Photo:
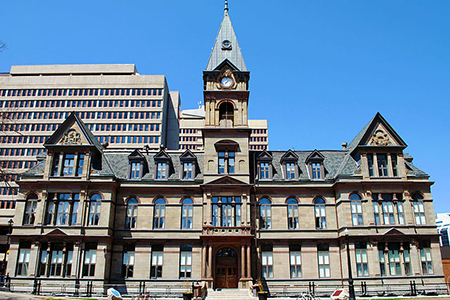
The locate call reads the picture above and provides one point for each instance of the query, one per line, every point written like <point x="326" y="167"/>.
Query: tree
<point x="2" y="46"/>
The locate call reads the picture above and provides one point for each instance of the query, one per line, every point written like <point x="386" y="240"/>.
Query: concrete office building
<point x="125" y="110"/>
<point x="225" y="215"/>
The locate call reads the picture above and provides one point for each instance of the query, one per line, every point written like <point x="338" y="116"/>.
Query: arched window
<point x="94" y="209"/>
<point x="159" y="213"/>
<point x="226" y="112"/>
<point x="265" y="216"/>
<point x="419" y="209"/>
<point x="30" y="210"/>
<point x="292" y="211"/>
<point x="186" y="213"/>
<point x="356" y="208"/>
<point x="319" y="210"/>
<point x="132" y="211"/>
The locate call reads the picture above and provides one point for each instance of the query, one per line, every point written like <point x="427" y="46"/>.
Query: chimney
<point x="344" y="146"/>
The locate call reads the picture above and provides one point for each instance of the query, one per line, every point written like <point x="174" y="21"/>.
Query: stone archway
<point x="226" y="273"/>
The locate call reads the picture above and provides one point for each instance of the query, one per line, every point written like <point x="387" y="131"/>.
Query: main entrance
<point x="226" y="268"/>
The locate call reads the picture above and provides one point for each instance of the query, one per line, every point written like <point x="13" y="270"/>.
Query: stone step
<point x="234" y="294"/>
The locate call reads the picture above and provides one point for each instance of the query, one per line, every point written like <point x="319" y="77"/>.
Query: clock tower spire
<point x="226" y="80"/>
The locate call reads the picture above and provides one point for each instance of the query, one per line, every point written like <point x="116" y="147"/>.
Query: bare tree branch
<point x="2" y="46"/>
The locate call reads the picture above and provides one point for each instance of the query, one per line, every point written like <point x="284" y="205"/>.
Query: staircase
<point x="229" y="294"/>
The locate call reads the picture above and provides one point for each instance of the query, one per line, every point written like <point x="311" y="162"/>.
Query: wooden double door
<point x="226" y="269"/>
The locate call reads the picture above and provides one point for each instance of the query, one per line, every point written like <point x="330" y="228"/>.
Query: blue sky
<point x="320" y="70"/>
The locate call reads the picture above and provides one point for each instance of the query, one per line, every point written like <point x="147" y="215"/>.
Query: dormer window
<point x="264" y="161"/>
<point x="382" y="164"/>
<point x="290" y="168"/>
<point x="316" y="170"/>
<point x="135" y="172"/>
<point x="188" y="165"/>
<point x="72" y="164"/>
<point x="162" y="165"/>
<point x="315" y="166"/>
<point x="137" y="165"/>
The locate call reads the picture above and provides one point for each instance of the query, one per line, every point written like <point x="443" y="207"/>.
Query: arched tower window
<point x="226" y="114"/>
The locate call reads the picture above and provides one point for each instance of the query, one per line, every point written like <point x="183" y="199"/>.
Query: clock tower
<point x="226" y="132"/>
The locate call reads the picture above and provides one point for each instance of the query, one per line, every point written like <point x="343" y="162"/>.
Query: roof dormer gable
<point x="315" y="156"/>
<point x="264" y="156"/>
<point x="289" y="156"/>
<point x="188" y="156"/>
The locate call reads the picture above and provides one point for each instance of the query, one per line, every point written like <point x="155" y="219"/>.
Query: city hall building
<point x="224" y="213"/>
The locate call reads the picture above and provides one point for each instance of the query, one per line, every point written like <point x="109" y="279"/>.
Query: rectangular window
<point x="382" y="165"/>
<point x="290" y="171"/>
<point x="157" y="262"/>
<point x="128" y="262"/>
<point x="186" y="215"/>
<point x="264" y="171"/>
<point x="357" y="216"/>
<point x="69" y="160"/>
<point x="400" y="214"/>
<point x="323" y="256"/>
<point x="90" y="258"/>
<point x="370" y="163"/>
<point x="388" y="213"/>
<point x="188" y="170"/>
<point x="56" y="262"/>
<point x="419" y="213"/>
<point x="94" y="212"/>
<point x="382" y="262"/>
<point x="267" y="264"/>
<point x="23" y="262"/>
<point x="30" y="212"/>
<point x="316" y="169"/>
<point x="135" y="172"/>
<point x="394" y="262"/>
<point x="186" y="261"/>
<point x="425" y="258"/>
<point x="295" y="260"/>
<point x="394" y="164"/>
<point x="361" y="259"/>
<point x="407" y="260"/>
<point x="162" y="171"/>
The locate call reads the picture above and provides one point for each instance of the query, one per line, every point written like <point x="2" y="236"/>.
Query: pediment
<point x="227" y="63"/>
<point x="378" y="133"/>
<point x="136" y="154"/>
<point x="226" y="180"/>
<point x="392" y="232"/>
<point x="73" y="132"/>
<point x="289" y="156"/>
<point x="264" y="156"/>
<point x="188" y="155"/>
<point x="57" y="232"/>
<point x="315" y="156"/>
<point x="162" y="155"/>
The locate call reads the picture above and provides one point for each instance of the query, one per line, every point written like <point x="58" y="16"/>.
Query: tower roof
<point x="226" y="46"/>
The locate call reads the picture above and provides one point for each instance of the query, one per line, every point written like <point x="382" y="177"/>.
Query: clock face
<point x="226" y="82"/>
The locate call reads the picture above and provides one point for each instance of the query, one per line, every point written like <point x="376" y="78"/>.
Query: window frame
<point x="265" y="214"/>
<point x="293" y="214"/>
<point x="30" y="210"/>
<point x="159" y="213"/>
<point x="356" y="209"/>
<point x="132" y="207"/>
<point x="320" y="213"/>
<point x="187" y="213"/>
<point x="95" y="206"/>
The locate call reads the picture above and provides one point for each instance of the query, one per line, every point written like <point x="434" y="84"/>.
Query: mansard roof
<point x="226" y="47"/>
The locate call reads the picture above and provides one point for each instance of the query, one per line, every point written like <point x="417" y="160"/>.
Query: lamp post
<point x="351" y="288"/>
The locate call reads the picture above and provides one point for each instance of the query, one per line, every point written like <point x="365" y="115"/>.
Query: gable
<point x="136" y="155"/>
<point x="264" y="156"/>
<point x="57" y="232"/>
<point x="289" y="156"/>
<point x="73" y="132"/>
<point x="188" y="155"/>
<point x="315" y="156"/>
<point x="161" y="155"/>
<point x="380" y="136"/>
<point x="393" y="232"/>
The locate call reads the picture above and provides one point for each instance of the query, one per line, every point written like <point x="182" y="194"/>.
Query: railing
<point x="134" y="289"/>
<point x="363" y="289"/>
<point x="226" y="231"/>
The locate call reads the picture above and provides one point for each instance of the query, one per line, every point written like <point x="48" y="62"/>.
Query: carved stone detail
<point x="380" y="138"/>
<point x="71" y="137"/>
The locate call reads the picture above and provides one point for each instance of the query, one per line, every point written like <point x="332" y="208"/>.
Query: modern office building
<point x="125" y="110"/>
<point x="225" y="215"/>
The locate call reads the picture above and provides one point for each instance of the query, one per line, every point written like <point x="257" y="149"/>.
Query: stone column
<point x="34" y="257"/>
<point x="389" y="165"/>
<point x="210" y="253"/>
<point x="244" y="219"/>
<point x="249" y="259"/>
<point x="243" y="261"/>
<point x="75" y="259"/>
<point x="204" y="258"/>
<point x="364" y="166"/>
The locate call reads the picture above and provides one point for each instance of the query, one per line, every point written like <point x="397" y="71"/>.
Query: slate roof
<point x="218" y="54"/>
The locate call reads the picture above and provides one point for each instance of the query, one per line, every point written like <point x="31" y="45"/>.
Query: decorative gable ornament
<point x="71" y="137"/>
<point x="380" y="138"/>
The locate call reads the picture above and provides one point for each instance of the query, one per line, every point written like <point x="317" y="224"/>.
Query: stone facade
<point x="225" y="215"/>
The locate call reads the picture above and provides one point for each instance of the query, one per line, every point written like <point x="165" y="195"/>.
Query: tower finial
<point x="226" y="6"/>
